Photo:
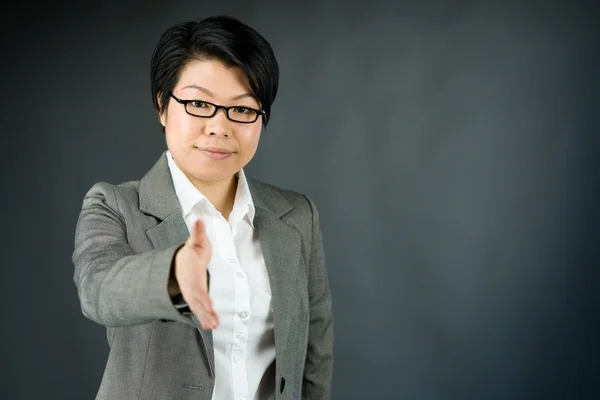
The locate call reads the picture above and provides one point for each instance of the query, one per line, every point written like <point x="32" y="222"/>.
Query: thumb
<point x="198" y="235"/>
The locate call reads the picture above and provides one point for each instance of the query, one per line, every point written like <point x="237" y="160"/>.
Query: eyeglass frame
<point x="217" y="108"/>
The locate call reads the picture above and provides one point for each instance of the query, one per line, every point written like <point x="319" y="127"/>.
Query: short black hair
<point x="222" y="38"/>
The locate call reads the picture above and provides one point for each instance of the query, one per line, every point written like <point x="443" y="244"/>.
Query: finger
<point x="202" y="306"/>
<point x="205" y="301"/>
<point x="203" y="292"/>
<point x="198" y="235"/>
<point x="205" y="322"/>
<point x="200" y="314"/>
<point x="210" y="320"/>
<point x="207" y="319"/>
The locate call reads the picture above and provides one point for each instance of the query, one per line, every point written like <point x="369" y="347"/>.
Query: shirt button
<point x="243" y="314"/>
<point x="240" y="335"/>
<point x="237" y="359"/>
<point x="231" y="260"/>
<point x="240" y="274"/>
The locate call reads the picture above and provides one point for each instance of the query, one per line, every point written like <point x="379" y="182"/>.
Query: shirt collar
<point x="189" y="196"/>
<point x="243" y="204"/>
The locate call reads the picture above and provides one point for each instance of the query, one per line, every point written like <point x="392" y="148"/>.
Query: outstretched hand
<point x="191" y="266"/>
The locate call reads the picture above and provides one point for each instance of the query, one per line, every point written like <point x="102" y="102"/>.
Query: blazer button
<point x="281" y="385"/>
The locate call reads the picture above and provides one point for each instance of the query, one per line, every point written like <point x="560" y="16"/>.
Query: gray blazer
<point x="125" y="240"/>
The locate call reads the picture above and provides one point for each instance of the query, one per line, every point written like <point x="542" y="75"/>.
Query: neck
<point x="221" y="194"/>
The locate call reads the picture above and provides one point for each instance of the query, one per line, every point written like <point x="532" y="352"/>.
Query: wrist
<point x="173" y="284"/>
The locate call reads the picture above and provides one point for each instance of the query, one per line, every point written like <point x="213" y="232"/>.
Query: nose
<point x="218" y="125"/>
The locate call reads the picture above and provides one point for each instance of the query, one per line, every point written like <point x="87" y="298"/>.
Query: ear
<point x="162" y="111"/>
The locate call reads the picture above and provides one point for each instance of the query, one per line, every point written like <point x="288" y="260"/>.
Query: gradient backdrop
<point x="449" y="145"/>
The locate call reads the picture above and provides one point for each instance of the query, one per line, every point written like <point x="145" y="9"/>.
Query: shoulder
<point x="296" y="199"/>
<point x="293" y="207"/>
<point x="115" y="196"/>
<point x="277" y="194"/>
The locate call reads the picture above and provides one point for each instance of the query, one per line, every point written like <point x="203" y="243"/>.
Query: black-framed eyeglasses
<point x="204" y="109"/>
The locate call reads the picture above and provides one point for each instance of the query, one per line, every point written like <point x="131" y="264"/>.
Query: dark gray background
<point x="450" y="147"/>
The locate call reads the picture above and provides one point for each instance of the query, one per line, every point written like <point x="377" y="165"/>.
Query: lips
<point x="216" y="150"/>
<point x="215" y="153"/>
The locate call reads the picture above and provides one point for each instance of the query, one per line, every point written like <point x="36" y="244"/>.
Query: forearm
<point x="318" y="369"/>
<point x="129" y="290"/>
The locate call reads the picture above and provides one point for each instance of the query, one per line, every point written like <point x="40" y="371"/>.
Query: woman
<point x="212" y="285"/>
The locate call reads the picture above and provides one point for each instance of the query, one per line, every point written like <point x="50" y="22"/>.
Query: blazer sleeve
<point x="117" y="287"/>
<point x="318" y="369"/>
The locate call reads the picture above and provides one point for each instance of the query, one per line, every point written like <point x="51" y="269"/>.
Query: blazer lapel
<point x="169" y="232"/>
<point x="281" y="247"/>
<point x="158" y="198"/>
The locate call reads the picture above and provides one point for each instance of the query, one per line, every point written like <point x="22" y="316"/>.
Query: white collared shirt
<point x="244" y="344"/>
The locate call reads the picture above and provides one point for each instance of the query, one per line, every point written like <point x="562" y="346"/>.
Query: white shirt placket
<point x="241" y="300"/>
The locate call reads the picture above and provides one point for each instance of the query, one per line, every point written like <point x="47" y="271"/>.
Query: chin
<point x="206" y="176"/>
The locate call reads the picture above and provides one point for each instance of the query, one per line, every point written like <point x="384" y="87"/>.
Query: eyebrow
<point x="211" y="94"/>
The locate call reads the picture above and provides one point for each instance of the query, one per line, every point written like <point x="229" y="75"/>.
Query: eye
<point x="242" y="110"/>
<point x="199" y="104"/>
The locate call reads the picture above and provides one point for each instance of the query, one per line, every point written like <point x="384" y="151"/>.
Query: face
<point x="211" y="150"/>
